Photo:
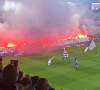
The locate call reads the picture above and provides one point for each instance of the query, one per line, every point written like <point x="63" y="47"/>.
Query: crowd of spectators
<point x="12" y="79"/>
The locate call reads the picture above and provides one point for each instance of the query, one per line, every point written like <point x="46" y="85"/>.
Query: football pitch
<point x="62" y="74"/>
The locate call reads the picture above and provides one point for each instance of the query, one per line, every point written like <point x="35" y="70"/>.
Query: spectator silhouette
<point x="43" y="84"/>
<point x="9" y="78"/>
<point x="26" y="83"/>
<point x="34" y="80"/>
<point x="34" y="83"/>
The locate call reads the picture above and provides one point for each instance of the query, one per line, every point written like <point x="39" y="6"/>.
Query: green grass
<point x="62" y="74"/>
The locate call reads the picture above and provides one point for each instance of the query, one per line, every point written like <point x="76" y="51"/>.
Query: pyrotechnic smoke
<point x="30" y="20"/>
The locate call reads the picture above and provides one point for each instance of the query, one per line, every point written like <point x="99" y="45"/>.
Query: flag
<point x="86" y="49"/>
<point x="49" y="60"/>
<point x="52" y="58"/>
<point x="92" y="45"/>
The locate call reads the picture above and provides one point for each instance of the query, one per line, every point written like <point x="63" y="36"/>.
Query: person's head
<point x="26" y="82"/>
<point x="9" y="74"/>
<point x="43" y="84"/>
<point x="34" y="80"/>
